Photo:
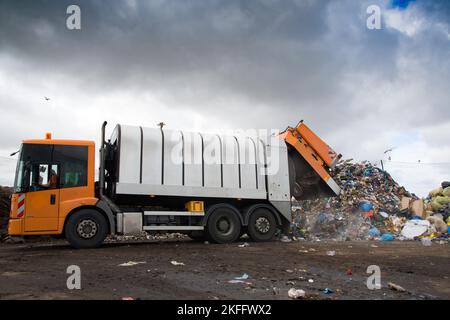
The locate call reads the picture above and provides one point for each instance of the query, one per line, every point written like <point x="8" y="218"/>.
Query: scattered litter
<point x="395" y="287"/>
<point x="142" y="236"/>
<point x="290" y="271"/>
<point x="14" y="240"/>
<point x="127" y="298"/>
<point x="310" y="280"/>
<point x="296" y="293"/>
<point x="245" y="244"/>
<point x="331" y="253"/>
<point x="426" y="242"/>
<point x="243" y="277"/>
<point x="239" y="281"/>
<point x="175" y="263"/>
<point x="275" y="291"/>
<point x="131" y="263"/>
<point x="374" y="246"/>
<point x="349" y="271"/>
<point x="328" y="291"/>
<point x="285" y="239"/>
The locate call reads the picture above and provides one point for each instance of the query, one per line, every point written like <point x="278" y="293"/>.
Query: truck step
<point x="173" y="228"/>
<point x="174" y="213"/>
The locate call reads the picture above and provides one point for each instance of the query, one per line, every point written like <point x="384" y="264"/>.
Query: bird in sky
<point x="46" y="98"/>
<point x="389" y="150"/>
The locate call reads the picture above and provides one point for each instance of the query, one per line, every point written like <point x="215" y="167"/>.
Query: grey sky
<point x="215" y="65"/>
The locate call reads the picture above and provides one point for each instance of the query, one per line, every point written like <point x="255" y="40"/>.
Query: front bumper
<point x="15" y="227"/>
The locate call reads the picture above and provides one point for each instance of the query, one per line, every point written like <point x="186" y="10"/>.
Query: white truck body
<point x="159" y="162"/>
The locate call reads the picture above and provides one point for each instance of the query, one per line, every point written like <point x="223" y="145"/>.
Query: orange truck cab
<point x="54" y="178"/>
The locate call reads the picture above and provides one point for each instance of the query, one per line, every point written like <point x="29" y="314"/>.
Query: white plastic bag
<point x="415" y="228"/>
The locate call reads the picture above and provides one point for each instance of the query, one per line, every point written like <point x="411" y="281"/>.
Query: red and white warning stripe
<point x="21" y="206"/>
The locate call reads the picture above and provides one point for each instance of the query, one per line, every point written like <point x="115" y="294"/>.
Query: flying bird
<point x="46" y="98"/>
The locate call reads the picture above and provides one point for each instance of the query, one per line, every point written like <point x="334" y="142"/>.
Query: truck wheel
<point x="261" y="225"/>
<point x="223" y="225"/>
<point x="86" y="229"/>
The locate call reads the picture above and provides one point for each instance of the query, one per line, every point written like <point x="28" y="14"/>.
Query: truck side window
<point x="73" y="161"/>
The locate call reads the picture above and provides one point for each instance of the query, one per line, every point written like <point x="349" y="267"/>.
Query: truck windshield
<point x="46" y="166"/>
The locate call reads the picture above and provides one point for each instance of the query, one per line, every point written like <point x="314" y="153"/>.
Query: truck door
<point x="42" y="202"/>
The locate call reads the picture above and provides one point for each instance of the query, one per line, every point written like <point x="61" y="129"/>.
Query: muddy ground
<point x="38" y="270"/>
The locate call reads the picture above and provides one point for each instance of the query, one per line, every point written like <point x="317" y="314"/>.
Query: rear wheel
<point x="86" y="229"/>
<point x="262" y="225"/>
<point x="223" y="225"/>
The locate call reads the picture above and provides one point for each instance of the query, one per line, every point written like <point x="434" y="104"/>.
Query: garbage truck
<point x="208" y="186"/>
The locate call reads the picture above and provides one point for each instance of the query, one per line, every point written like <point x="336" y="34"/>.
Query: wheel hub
<point x="87" y="229"/>
<point x="262" y="224"/>
<point x="223" y="225"/>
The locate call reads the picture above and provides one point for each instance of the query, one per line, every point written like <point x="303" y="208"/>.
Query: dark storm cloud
<point x="275" y="54"/>
<point x="266" y="63"/>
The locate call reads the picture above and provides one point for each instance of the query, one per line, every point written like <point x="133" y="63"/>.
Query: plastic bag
<point x="436" y="206"/>
<point x="387" y="237"/>
<point x="415" y="228"/>
<point x="442" y="200"/>
<point x="446" y="192"/>
<point x="436" y="192"/>
<point x="374" y="232"/>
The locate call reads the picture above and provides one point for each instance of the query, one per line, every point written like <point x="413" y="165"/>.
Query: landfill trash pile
<point x="5" y="205"/>
<point x="371" y="206"/>
<point x="438" y="201"/>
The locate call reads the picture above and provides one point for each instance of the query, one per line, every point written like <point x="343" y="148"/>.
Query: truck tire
<point x="223" y="225"/>
<point x="262" y="225"/>
<point x="86" y="228"/>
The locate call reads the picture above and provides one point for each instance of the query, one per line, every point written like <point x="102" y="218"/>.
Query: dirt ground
<point x="38" y="270"/>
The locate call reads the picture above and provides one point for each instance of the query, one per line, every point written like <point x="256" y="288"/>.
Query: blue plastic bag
<point x="321" y="218"/>
<point x="374" y="232"/>
<point x="368" y="172"/>
<point x="387" y="237"/>
<point x="365" y="206"/>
